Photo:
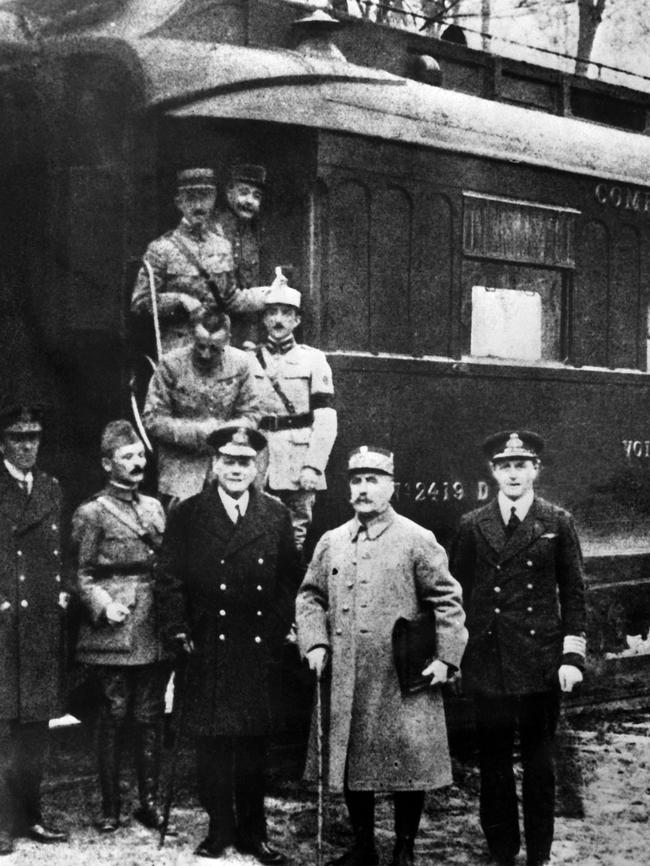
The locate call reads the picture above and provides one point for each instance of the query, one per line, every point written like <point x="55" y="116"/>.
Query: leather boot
<point x="403" y="854"/>
<point x="108" y="747"/>
<point x="148" y="752"/>
<point x="362" y="853"/>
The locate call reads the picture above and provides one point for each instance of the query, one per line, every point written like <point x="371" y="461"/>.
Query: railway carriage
<point x="469" y="264"/>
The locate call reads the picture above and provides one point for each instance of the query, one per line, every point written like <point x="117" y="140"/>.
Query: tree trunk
<point x="590" y="14"/>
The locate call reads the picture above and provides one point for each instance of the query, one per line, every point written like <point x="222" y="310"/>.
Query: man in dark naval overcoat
<point x="365" y="574"/>
<point x="117" y="533"/>
<point x="519" y="562"/>
<point x="32" y="605"/>
<point x="226" y="580"/>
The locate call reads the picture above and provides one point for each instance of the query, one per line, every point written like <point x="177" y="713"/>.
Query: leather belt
<point x="286" y="422"/>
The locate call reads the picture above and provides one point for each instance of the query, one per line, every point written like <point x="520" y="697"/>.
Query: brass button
<point x="529" y="586"/>
<point x="259" y="613"/>
<point x="497" y="589"/>
<point x="24" y="603"/>
<point x="222" y="586"/>
<point x="21" y="577"/>
<point x="222" y="637"/>
<point x="55" y="552"/>
<point x="261" y="560"/>
<point x="259" y="588"/>
<point x="350" y="585"/>
<point x="497" y="610"/>
<point x="258" y="639"/>
<point x="529" y="563"/>
<point x="529" y="609"/>
<point x="222" y="613"/>
<point x="54" y="527"/>
<point x="532" y="631"/>
<point x="19" y="553"/>
<point x="57" y="578"/>
<point x="222" y="562"/>
<point x="339" y="631"/>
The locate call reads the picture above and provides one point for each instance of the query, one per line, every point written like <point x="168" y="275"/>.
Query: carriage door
<point x="517" y="278"/>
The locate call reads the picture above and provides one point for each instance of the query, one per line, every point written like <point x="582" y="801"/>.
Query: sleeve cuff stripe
<point x="574" y="644"/>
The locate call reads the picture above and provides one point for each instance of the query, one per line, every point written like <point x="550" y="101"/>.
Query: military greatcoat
<point x="522" y="595"/>
<point x="190" y="267"/>
<point x="358" y="583"/>
<point x="185" y="404"/>
<point x="231" y="589"/>
<point x="31" y="618"/>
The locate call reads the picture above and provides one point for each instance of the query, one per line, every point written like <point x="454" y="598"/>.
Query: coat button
<point x="222" y="586"/>
<point x="21" y="577"/>
<point x="339" y="631"/>
<point x="222" y="613"/>
<point x="259" y="588"/>
<point x="529" y="563"/>
<point x="222" y="562"/>
<point x="222" y="637"/>
<point x="259" y="613"/>
<point x="258" y="639"/>
<point x="345" y="608"/>
<point x="261" y="560"/>
<point x="6" y="605"/>
<point x="532" y="631"/>
<point x="529" y="586"/>
<point x="350" y="585"/>
<point x="498" y="568"/>
<point x="19" y="553"/>
<point x="55" y="552"/>
<point x="54" y="527"/>
<point x="497" y="610"/>
<point x="57" y="578"/>
<point x="365" y="556"/>
<point x="529" y="609"/>
<point x="24" y="603"/>
<point x="497" y="589"/>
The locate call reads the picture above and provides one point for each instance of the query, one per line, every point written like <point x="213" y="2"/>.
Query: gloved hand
<point x="317" y="659"/>
<point x="116" y="613"/>
<point x="438" y="670"/>
<point x="309" y="478"/>
<point x="184" y="644"/>
<point x="569" y="676"/>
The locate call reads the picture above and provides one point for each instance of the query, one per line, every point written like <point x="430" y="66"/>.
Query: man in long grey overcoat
<point x="364" y="575"/>
<point x="226" y="582"/>
<point x="32" y="602"/>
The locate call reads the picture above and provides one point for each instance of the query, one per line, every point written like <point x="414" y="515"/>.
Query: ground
<point x="614" y="755"/>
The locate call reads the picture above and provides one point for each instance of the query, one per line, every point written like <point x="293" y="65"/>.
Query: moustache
<point x="137" y="471"/>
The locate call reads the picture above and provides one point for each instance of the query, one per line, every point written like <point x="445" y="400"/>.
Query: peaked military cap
<point x="515" y="445"/>
<point x="116" y="434"/>
<point x="248" y="173"/>
<point x="369" y="458"/>
<point x="21" y="418"/>
<point x="279" y="292"/>
<point x="237" y="439"/>
<point x="196" y="178"/>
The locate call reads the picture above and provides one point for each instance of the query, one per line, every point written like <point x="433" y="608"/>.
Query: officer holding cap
<point x="296" y="394"/>
<point x="226" y="582"/>
<point x="367" y="573"/>
<point x="116" y="534"/>
<point x="32" y="603"/>
<point x="190" y="266"/>
<point x="519" y="562"/>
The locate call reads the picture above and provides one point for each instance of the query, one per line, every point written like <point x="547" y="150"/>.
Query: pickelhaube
<point x="196" y="178"/>
<point x="17" y="418"/>
<point x="237" y="439"/>
<point x="513" y="445"/>
<point x="370" y="458"/>
<point x="279" y="292"/>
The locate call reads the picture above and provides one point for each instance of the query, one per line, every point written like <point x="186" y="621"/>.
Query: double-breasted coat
<point x="31" y="616"/>
<point x="522" y="595"/>
<point x="231" y="589"/>
<point x="357" y="585"/>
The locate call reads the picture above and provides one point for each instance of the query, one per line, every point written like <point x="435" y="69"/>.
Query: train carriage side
<point x="467" y="265"/>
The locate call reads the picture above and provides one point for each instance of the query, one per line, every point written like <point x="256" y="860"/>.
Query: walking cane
<point x="319" y="749"/>
<point x="180" y="691"/>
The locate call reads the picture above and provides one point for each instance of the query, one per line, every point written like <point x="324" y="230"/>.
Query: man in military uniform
<point x="296" y="391"/>
<point x="364" y="575"/>
<point x="190" y="266"/>
<point x="519" y="562"/>
<point x="239" y="222"/>
<point x="194" y="390"/>
<point x="117" y="533"/>
<point x="227" y="579"/>
<point x="32" y="603"/>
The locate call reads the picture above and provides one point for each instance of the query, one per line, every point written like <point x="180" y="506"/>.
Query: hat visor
<point x="518" y="454"/>
<point x="352" y="470"/>
<point x="230" y="449"/>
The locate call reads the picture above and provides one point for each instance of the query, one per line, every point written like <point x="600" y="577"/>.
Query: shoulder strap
<point x="190" y="256"/>
<point x="124" y="519"/>
<point x="286" y="402"/>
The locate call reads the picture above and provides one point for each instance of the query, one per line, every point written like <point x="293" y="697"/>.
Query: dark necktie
<point x="24" y="486"/>
<point x="513" y="523"/>
<point x="238" y="515"/>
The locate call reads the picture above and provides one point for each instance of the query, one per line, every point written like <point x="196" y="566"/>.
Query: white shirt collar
<point x="16" y="473"/>
<point x="233" y="506"/>
<point x="521" y="505"/>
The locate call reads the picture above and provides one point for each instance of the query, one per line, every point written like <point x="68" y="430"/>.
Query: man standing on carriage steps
<point x="518" y="560"/>
<point x="190" y="266"/>
<point x="364" y="575"/>
<point x="296" y="395"/>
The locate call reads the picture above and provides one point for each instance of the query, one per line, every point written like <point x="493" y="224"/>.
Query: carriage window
<point x="513" y="312"/>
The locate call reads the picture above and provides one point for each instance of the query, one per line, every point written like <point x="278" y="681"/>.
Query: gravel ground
<point x="615" y="831"/>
